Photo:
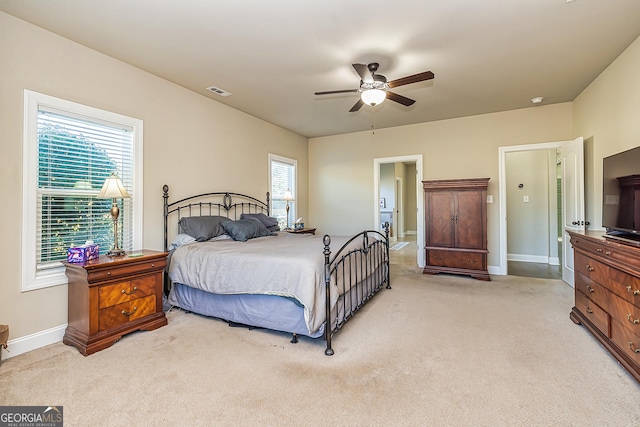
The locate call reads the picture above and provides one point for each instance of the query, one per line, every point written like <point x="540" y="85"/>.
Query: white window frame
<point x="294" y="163"/>
<point x="32" y="278"/>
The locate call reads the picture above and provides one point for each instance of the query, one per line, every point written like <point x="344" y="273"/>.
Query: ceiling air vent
<point x="218" y="91"/>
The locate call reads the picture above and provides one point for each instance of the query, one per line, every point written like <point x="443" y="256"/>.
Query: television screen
<point x="621" y="193"/>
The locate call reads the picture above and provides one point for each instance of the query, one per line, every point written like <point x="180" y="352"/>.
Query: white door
<point x="572" y="154"/>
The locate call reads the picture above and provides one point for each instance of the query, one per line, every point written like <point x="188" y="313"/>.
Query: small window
<point x="282" y="177"/>
<point x="69" y="151"/>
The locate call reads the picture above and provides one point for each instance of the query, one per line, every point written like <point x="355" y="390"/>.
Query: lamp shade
<point x="113" y="189"/>
<point x="287" y="196"/>
<point x="373" y="96"/>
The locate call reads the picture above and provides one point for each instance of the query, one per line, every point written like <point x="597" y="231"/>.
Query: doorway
<point x="532" y="208"/>
<point x="571" y="205"/>
<point x="399" y="197"/>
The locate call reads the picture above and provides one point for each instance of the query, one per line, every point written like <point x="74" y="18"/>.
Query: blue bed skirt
<point x="263" y="311"/>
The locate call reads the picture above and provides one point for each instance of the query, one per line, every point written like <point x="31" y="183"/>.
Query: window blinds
<point x="283" y="177"/>
<point x="75" y="156"/>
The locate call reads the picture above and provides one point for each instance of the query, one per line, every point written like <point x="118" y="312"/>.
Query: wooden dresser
<point x="456" y="227"/>
<point x="607" y="294"/>
<point x="110" y="297"/>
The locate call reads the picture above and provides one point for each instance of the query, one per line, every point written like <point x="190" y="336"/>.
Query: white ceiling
<point x="487" y="55"/>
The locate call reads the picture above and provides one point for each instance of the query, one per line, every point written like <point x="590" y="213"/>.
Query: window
<point x="282" y="177"/>
<point x="69" y="151"/>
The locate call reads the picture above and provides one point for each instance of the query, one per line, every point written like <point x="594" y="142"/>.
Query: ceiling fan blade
<point x="357" y="106"/>
<point x="400" y="99"/>
<point x="364" y="72"/>
<point x="427" y="75"/>
<point x="337" y="91"/>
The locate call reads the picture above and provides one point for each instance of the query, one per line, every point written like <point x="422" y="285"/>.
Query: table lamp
<point x="113" y="189"/>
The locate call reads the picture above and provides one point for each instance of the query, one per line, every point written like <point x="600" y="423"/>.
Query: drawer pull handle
<point x="129" y="313"/>
<point x="598" y="250"/>
<point x="607" y="253"/>
<point x="133" y="291"/>
<point x="634" y="321"/>
<point x="633" y="347"/>
<point x="153" y="265"/>
<point x="636" y="292"/>
<point x="586" y="308"/>
<point x="589" y="268"/>
<point x="590" y="289"/>
<point x="108" y="273"/>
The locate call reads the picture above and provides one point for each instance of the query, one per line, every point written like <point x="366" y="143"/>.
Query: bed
<point x="228" y="260"/>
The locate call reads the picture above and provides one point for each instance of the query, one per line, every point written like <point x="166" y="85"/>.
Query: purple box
<point x="83" y="253"/>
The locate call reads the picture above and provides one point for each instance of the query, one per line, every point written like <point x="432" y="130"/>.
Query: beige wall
<point x="341" y="167"/>
<point x="191" y="143"/>
<point x="607" y="115"/>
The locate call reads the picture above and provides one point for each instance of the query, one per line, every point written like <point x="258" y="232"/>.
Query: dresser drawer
<point x="624" y="312"/>
<point x="125" y="312"/>
<point x="626" y="340"/>
<point x="596" y="247"/>
<point x="591" y="268"/>
<point x="593" y="312"/>
<point x="126" y="291"/>
<point x="592" y="290"/>
<point x="625" y="286"/>
<point x="125" y="270"/>
<point x="457" y="259"/>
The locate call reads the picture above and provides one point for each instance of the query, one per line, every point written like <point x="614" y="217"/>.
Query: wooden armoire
<point x="456" y="227"/>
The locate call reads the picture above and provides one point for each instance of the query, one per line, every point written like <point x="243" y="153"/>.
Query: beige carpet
<point x="433" y="351"/>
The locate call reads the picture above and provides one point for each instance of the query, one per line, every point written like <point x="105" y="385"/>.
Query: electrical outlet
<point x="489" y="198"/>
<point x="525" y="199"/>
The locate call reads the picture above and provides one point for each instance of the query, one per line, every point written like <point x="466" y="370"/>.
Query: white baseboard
<point x="494" y="269"/>
<point x="554" y="261"/>
<point x="27" y="343"/>
<point x="410" y="232"/>
<point x="528" y="258"/>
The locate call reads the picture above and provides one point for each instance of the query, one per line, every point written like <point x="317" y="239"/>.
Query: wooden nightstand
<point x="113" y="296"/>
<point x="303" y="231"/>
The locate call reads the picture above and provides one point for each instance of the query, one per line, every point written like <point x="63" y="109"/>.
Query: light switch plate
<point x="489" y="198"/>
<point x="525" y="199"/>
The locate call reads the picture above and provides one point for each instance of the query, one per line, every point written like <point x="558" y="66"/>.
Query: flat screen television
<point x="621" y="194"/>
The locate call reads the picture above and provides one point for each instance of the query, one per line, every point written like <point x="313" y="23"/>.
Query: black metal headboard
<point x="231" y="205"/>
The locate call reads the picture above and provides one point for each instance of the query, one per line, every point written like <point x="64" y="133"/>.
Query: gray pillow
<point x="268" y="221"/>
<point x="203" y="228"/>
<point x="245" y="229"/>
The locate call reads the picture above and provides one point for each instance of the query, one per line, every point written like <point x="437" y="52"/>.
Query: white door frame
<point x="417" y="158"/>
<point x="502" y="189"/>
<point x="399" y="211"/>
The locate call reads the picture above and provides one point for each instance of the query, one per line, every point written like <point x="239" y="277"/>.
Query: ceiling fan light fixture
<point x="373" y="97"/>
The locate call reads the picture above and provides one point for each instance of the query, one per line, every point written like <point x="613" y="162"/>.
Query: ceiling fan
<point x="374" y="88"/>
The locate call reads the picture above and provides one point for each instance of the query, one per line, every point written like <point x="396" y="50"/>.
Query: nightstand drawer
<point x="125" y="312"/>
<point x="126" y="270"/>
<point x="126" y="291"/>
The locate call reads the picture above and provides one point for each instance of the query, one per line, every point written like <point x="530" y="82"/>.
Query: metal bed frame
<point x="362" y="271"/>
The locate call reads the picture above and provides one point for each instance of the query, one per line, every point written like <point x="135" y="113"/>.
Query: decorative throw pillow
<point x="245" y="229"/>
<point x="181" y="239"/>
<point x="202" y="228"/>
<point x="268" y="221"/>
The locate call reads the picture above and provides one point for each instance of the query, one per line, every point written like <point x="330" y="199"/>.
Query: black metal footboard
<point x="353" y="276"/>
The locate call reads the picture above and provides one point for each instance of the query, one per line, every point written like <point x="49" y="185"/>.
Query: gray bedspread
<point x="289" y="265"/>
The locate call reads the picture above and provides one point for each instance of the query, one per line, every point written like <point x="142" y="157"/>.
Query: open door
<point x="572" y="153"/>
